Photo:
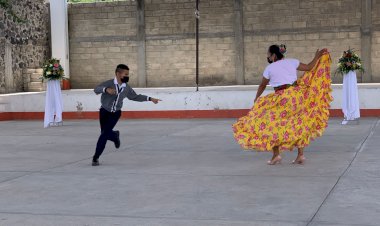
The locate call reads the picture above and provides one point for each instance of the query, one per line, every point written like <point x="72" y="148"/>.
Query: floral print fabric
<point x="289" y="118"/>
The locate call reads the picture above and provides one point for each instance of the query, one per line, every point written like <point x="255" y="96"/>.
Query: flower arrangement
<point x="52" y="70"/>
<point x="350" y="61"/>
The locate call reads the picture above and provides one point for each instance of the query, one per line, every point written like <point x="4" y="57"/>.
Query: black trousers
<point x="107" y="121"/>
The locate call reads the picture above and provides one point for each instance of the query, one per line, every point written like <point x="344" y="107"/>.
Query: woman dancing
<point x="296" y="113"/>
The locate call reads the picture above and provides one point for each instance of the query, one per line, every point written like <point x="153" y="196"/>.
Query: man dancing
<point x="113" y="93"/>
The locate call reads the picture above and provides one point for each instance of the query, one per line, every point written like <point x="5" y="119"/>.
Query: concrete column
<point x="59" y="33"/>
<point x="366" y="39"/>
<point x="141" y="58"/>
<point x="239" y="42"/>
<point x="9" y="81"/>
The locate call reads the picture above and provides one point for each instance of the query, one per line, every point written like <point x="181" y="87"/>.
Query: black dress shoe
<point x="117" y="142"/>
<point x="95" y="162"/>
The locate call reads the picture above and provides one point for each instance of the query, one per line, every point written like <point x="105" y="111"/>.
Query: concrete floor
<point x="184" y="172"/>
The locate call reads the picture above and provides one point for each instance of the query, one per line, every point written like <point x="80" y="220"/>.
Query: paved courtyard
<point x="184" y="172"/>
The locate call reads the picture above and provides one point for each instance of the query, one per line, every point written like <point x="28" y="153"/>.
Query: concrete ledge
<point x="187" y="114"/>
<point x="178" y="102"/>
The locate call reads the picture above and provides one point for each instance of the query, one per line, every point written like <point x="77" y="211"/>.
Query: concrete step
<point x="36" y="86"/>
<point x="29" y="71"/>
<point x="39" y="70"/>
<point x="36" y="77"/>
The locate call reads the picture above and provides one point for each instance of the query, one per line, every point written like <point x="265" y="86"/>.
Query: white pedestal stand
<point x="350" y="101"/>
<point x="53" y="104"/>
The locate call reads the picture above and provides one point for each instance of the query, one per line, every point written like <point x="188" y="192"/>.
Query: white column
<point x="59" y="33"/>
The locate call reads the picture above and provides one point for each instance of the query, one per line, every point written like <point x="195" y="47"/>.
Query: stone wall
<point x="22" y="45"/>
<point x="2" y="64"/>
<point x="156" y="38"/>
<point x="32" y="80"/>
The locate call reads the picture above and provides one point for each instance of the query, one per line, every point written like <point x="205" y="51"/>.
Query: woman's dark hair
<point x="121" y="67"/>
<point x="275" y="49"/>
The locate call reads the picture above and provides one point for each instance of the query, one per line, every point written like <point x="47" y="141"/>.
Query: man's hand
<point x="154" y="100"/>
<point x="111" y="91"/>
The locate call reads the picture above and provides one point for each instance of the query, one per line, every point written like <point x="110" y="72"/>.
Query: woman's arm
<point x="309" y="66"/>
<point x="261" y="88"/>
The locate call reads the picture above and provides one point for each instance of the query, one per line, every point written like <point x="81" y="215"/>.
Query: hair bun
<point x="282" y="48"/>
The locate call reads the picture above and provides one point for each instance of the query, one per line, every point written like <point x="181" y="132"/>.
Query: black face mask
<point x="124" y="79"/>
<point x="269" y="60"/>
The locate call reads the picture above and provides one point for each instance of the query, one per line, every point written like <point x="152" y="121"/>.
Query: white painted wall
<point x="208" y="98"/>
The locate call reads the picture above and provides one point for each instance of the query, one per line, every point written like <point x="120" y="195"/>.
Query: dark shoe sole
<point x="117" y="142"/>
<point x="95" y="163"/>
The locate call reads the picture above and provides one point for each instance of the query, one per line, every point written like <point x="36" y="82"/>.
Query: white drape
<point x="350" y="101"/>
<point x="53" y="104"/>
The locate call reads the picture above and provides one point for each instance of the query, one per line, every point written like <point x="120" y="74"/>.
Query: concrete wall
<point x="156" y="38"/>
<point x="176" y="99"/>
<point x="22" y="45"/>
<point x="303" y="26"/>
<point x="101" y="36"/>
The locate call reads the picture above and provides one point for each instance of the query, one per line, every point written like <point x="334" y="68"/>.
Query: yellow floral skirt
<point x="289" y="118"/>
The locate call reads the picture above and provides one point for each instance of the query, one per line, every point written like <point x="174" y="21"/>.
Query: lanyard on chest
<point x="119" y="90"/>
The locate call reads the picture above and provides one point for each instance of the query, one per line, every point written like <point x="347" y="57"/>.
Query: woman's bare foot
<point x="275" y="160"/>
<point x="299" y="160"/>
